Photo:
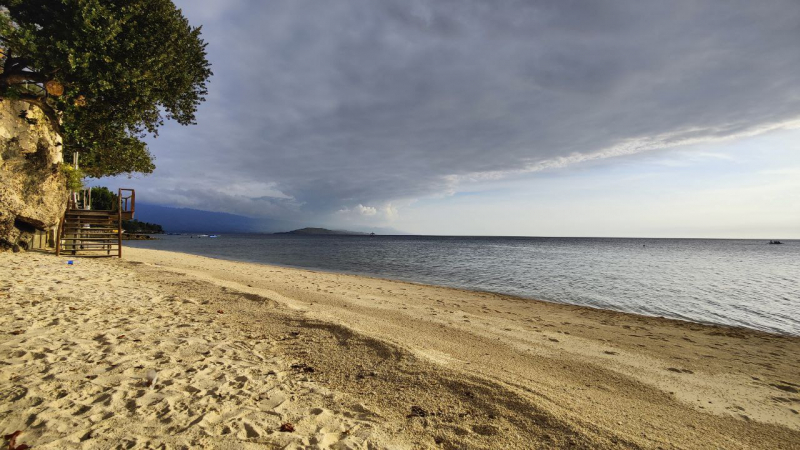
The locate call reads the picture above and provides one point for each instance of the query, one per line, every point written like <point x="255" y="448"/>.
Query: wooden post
<point x="119" y="223"/>
<point x="58" y="235"/>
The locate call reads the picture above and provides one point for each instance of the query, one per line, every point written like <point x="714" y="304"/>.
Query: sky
<point x="495" y="117"/>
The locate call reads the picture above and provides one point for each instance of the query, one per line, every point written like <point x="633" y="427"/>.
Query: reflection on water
<point x="735" y="282"/>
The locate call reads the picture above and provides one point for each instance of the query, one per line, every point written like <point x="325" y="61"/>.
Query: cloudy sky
<point x="495" y="117"/>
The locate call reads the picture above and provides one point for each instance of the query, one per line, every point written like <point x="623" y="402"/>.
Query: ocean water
<point x="733" y="282"/>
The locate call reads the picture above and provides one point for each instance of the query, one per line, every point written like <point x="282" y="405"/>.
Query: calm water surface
<point x="733" y="282"/>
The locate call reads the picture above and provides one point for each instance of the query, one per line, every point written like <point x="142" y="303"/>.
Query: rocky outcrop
<point x="33" y="193"/>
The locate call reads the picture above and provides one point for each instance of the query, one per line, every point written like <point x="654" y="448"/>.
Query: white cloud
<point x="366" y="210"/>
<point x="375" y="215"/>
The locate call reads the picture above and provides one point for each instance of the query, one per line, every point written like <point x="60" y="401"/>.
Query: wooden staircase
<point x="94" y="233"/>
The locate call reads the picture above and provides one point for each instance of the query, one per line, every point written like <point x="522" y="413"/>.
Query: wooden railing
<point x="127" y="203"/>
<point x="81" y="199"/>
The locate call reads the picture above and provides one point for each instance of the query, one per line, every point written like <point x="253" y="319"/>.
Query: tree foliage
<point x="134" y="226"/>
<point x="104" y="199"/>
<point x="106" y="72"/>
<point x="73" y="177"/>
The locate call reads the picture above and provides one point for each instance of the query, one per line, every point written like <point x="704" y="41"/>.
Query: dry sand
<point x="356" y="362"/>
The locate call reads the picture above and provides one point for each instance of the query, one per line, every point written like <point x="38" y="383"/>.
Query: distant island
<point x="325" y="231"/>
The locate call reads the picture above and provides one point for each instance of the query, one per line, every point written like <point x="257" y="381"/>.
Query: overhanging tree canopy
<point x="106" y="72"/>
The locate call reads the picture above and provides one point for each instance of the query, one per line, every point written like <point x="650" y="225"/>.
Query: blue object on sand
<point x="69" y="263"/>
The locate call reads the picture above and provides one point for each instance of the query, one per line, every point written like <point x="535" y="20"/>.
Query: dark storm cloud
<point x="318" y="106"/>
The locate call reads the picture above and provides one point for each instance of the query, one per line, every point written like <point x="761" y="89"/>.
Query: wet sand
<point x="357" y="362"/>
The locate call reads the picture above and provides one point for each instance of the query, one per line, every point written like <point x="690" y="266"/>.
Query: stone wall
<point x="33" y="193"/>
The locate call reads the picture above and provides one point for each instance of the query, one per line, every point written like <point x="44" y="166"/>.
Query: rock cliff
<point x="33" y="193"/>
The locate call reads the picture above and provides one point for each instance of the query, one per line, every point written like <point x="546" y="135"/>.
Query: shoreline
<point x="366" y="361"/>
<point x="510" y="296"/>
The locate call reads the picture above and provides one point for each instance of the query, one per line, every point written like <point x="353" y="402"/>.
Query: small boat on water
<point x="213" y="235"/>
<point x="775" y="242"/>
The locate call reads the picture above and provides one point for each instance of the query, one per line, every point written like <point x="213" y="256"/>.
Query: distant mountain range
<point x="186" y="220"/>
<point x="324" y="231"/>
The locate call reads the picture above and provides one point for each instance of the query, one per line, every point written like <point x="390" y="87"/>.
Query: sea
<point x="746" y="283"/>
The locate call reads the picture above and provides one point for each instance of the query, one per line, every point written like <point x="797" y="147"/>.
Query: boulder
<point x="33" y="193"/>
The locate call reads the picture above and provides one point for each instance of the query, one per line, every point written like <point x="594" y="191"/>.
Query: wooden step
<point x="69" y="217"/>
<point x="90" y="231"/>
<point x="89" y="248"/>
<point x="78" y="246"/>
<point x="92" y="212"/>
<point x="92" y="238"/>
<point x="91" y="216"/>
<point x="78" y="250"/>
<point x="84" y="233"/>
<point x="92" y="226"/>
<point x="90" y="219"/>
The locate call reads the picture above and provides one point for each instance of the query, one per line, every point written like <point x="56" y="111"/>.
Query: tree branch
<point x="14" y="77"/>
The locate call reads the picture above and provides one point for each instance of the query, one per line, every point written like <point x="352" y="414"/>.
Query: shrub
<point x="74" y="177"/>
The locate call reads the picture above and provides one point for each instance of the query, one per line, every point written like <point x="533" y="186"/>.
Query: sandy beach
<point x="257" y="356"/>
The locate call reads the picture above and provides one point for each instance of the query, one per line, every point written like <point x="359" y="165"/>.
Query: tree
<point x="104" y="199"/>
<point x="105" y="72"/>
<point x="134" y="226"/>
